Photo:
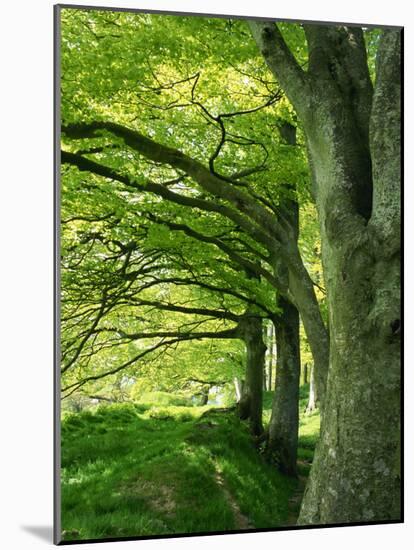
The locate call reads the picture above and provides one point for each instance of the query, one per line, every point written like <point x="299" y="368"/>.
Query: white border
<point x="26" y="299"/>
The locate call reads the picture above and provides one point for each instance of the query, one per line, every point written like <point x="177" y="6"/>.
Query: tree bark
<point x="204" y="395"/>
<point x="301" y="286"/>
<point x="313" y="398"/>
<point x="282" y="442"/>
<point x="250" y="406"/>
<point x="354" y="476"/>
<point x="353" y="140"/>
<point x="284" y="422"/>
<point x="272" y="355"/>
<point x="305" y="373"/>
<point x="269" y="357"/>
<point x="238" y="387"/>
<point x="274" y="358"/>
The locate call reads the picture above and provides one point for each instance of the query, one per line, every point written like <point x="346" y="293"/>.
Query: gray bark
<point x="272" y="356"/>
<point x="312" y="399"/>
<point x="284" y="422"/>
<point x="306" y="302"/>
<point x="274" y="359"/>
<point x="238" y="386"/>
<point x="354" y="475"/>
<point x="353" y="139"/>
<point x="269" y="356"/>
<point x="305" y="373"/>
<point x="250" y="406"/>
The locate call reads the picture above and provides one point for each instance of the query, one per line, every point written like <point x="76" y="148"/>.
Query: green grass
<point x="131" y="470"/>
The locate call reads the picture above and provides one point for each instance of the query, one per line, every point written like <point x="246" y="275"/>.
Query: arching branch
<point x="252" y="229"/>
<point x="281" y="61"/>
<point x="176" y="159"/>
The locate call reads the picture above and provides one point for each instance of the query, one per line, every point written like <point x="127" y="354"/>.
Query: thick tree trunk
<point x="355" y="473"/>
<point x="353" y="137"/>
<point x="284" y="422"/>
<point x="251" y="403"/>
<point x="354" y="476"/>
<point x="282" y="441"/>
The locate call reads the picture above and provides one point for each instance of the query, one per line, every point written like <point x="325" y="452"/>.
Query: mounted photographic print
<point x="228" y="258"/>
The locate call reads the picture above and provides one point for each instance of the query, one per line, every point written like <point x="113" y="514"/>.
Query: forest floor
<point x="138" y="470"/>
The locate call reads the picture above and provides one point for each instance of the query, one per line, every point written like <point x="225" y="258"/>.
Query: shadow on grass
<point x="127" y="471"/>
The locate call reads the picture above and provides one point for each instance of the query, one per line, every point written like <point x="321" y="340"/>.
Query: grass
<point x="151" y="469"/>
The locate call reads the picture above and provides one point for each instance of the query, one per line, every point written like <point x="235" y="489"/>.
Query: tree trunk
<point x="251" y="403"/>
<point x="301" y="284"/>
<point x="238" y="386"/>
<point x="305" y="373"/>
<point x="353" y="139"/>
<point x="354" y="475"/>
<point x="269" y="356"/>
<point x="284" y="422"/>
<point x="204" y="395"/>
<point x="301" y="287"/>
<point x="272" y="356"/>
<point x="282" y="441"/>
<point x="312" y="399"/>
<point x="266" y="342"/>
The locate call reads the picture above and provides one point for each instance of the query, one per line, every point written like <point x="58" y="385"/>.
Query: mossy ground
<point x="143" y="469"/>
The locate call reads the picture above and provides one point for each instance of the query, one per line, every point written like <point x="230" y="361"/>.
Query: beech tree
<point x="182" y="164"/>
<point x="353" y="132"/>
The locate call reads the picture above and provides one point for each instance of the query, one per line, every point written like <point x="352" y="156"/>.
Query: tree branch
<point x="217" y="314"/>
<point x="71" y="388"/>
<point x="385" y="138"/>
<point x="88" y="165"/>
<point x="157" y="152"/>
<point x="248" y="265"/>
<point x="281" y="61"/>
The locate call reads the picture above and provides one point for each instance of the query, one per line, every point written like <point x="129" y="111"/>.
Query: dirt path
<point x="242" y="521"/>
